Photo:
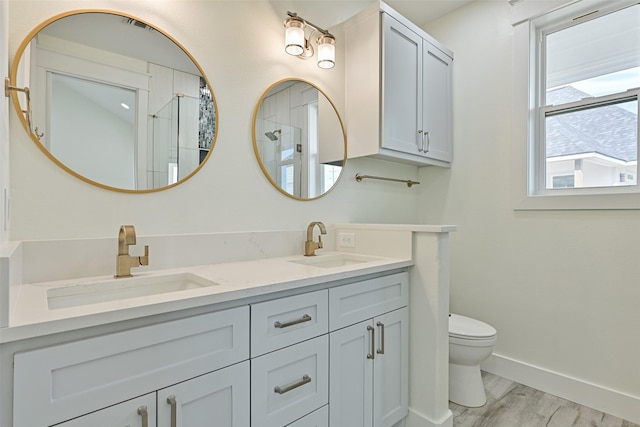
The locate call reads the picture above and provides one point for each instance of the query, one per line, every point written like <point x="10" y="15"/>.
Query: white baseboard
<point x="415" y="419"/>
<point x="609" y="401"/>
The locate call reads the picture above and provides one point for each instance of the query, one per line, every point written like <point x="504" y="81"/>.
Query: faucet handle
<point x="320" y="245"/>
<point x="144" y="260"/>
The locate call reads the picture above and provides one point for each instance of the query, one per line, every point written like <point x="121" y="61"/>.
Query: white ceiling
<point x="327" y="13"/>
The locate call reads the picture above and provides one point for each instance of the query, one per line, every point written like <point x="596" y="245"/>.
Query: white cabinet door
<point x="369" y="372"/>
<point x="402" y="90"/>
<point x="437" y="105"/>
<point x="391" y="368"/>
<point x="351" y="376"/>
<point x="220" y="398"/>
<point x="138" y="412"/>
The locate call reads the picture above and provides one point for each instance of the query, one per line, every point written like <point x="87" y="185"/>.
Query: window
<point x="584" y="91"/>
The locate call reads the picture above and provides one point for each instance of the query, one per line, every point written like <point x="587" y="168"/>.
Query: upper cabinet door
<point x="402" y="91"/>
<point x="437" y="105"/>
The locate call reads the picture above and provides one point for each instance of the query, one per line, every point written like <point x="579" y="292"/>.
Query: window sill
<point x="579" y="202"/>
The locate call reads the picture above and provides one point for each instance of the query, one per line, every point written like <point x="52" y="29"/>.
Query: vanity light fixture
<point x="296" y="43"/>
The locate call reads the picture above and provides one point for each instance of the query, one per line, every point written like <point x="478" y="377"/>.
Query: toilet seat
<point x="466" y="328"/>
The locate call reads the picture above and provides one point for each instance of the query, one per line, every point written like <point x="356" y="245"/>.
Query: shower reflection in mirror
<point x="288" y="131"/>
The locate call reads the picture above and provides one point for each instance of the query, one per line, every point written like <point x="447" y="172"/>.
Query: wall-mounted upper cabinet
<point x="398" y="90"/>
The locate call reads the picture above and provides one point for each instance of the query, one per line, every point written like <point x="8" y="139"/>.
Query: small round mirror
<point x="114" y="101"/>
<point x="299" y="139"/>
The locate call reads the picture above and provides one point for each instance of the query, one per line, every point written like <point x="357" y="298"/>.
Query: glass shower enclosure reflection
<point x="281" y="150"/>
<point x="179" y="144"/>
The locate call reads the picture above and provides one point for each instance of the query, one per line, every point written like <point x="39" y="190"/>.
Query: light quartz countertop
<point x="32" y="317"/>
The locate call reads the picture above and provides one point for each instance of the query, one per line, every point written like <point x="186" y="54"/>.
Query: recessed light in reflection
<point x="125" y="106"/>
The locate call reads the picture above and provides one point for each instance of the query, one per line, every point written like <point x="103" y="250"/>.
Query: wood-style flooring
<point x="510" y="404"/>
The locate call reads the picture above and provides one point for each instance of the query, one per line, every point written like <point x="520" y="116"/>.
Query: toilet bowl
<point x="470" y="342"/>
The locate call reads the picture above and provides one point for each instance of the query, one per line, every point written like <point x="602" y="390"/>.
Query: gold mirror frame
<point x="24" y="113"/>
<point x="342" y="161"/>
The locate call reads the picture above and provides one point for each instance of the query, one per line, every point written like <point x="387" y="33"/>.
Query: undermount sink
<point x="120" y="289"/>
<point x="334" y="260"/>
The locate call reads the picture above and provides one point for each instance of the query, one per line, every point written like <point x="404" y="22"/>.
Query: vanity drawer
<point x="286" y="321"/>
<point x="364" y="300"/>
<point x="319" y="418"/>
<point x="79" y="377"/>
<point x="288" y="384"/>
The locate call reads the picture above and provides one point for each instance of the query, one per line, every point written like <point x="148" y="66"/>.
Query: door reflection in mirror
<point x="86" y="116"/>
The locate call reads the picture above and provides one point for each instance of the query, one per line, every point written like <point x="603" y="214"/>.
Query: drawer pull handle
<point x="381" y="326"/>
<point x="371" y="330"/>
<point x="171" y="400"/>
<point x="282" y="390"/>
<point x="142" y="411"/>
<point x="305" y="318"/>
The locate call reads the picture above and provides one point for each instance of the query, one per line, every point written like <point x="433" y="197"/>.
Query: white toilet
<point x="470" y="342"/>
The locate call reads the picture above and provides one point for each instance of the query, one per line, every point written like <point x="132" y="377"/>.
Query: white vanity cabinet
<point x="81" y="377"/>
<point x="336" y="356"/>
<point x="398" y="90"/>
<point x="369" y="353"/>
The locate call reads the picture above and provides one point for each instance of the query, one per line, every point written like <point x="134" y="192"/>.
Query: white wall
<point x="229" y="193"/>
<point x="561" y="287"/>
<point x="4" y="120"/>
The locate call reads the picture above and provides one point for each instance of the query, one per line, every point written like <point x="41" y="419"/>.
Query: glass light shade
<point x="294" y="36"/>
<point x="326" y="51"/>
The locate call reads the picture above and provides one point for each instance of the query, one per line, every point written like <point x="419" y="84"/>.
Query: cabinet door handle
<point x="428" y="134"/>
<point x="171" y="400"/>
<point x="372" y="354"/>
<point x="282" y="390"/>
<point x="381" y="326"/>
<point x="142" y="411"/>
<point x="305" y="318"/>
<point x="421" y="145"/>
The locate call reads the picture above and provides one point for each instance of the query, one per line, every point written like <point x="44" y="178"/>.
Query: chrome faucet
<point x="126" y="237"/>
<point x="310" y="246"/>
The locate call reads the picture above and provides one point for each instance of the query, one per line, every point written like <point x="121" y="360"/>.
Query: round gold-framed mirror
<point x="114" y="100"/>
<point x="299" y="139"/>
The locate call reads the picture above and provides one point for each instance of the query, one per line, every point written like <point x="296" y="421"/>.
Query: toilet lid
<point x="468" y="328"/>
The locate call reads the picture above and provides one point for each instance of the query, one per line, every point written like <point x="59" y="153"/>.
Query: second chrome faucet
<point x="309" y="245"/>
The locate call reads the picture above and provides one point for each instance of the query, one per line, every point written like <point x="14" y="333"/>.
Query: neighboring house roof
<point x="591" y="130"/>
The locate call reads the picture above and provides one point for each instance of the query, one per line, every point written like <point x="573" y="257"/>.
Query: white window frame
<point x="527" y="17"/>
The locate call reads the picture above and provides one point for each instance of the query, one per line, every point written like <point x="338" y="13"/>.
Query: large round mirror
<point x="299" y="139"/>
<point x="114" y="101"/>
